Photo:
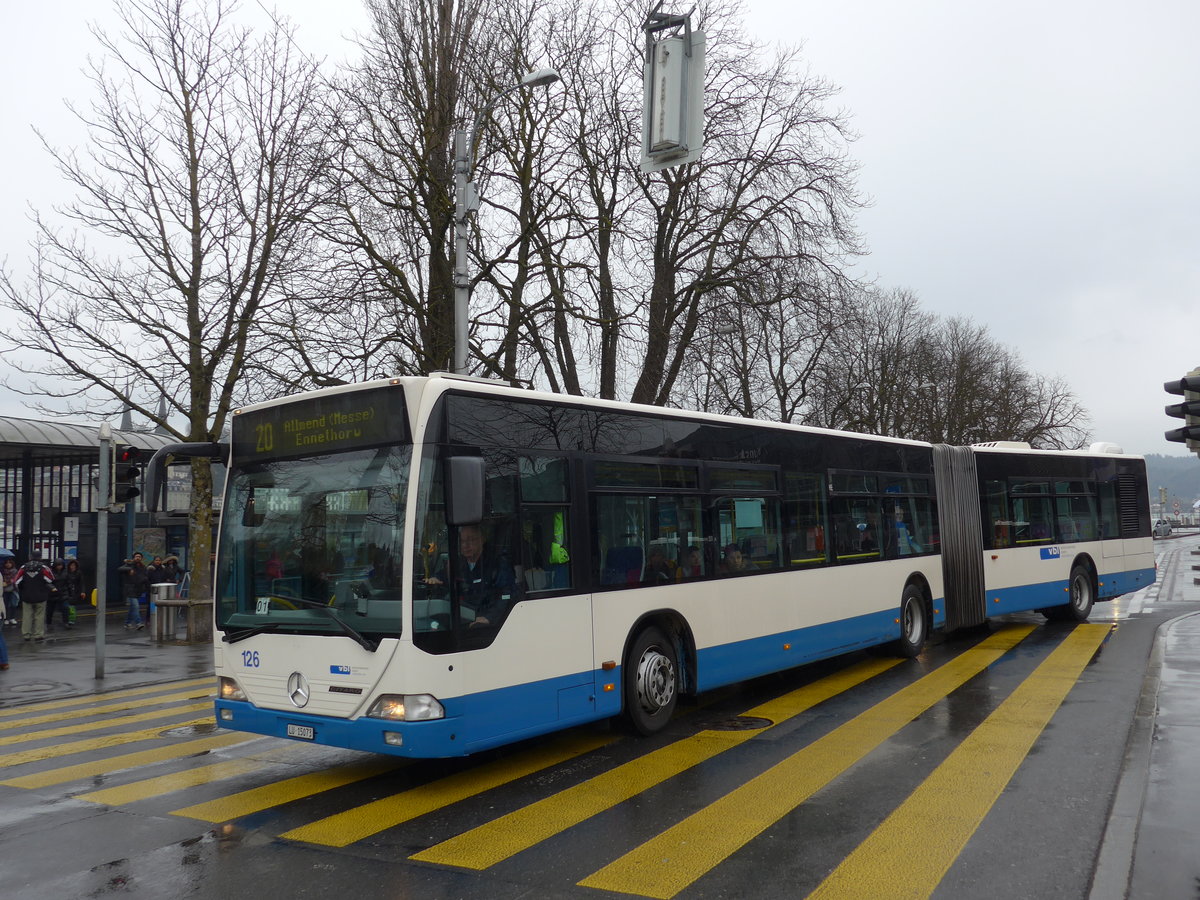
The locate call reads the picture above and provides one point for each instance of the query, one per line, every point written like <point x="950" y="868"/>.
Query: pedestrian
<point x="72" y="590"/>
<point x="154" y="571"/>
<point x="172" y="573"/>
<point x="36" y="584"/>
<point x="3" y="646"/>
<point x="12" y="599"/>
<point x="58" y="602"/>
<point x="135" y="585"/>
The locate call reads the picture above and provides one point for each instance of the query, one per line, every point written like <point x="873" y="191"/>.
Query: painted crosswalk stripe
<point x="132" y="703"/>
<point x="175" y="781"/>
<point x="243" y="803"/>
<point x="20" y="757"/>
<point x="355" y="824"/>
<point x="114" y="722"/>
<point x="26" y="708"/>
<point x="910" y="853"/>
<point x="668" y="863"/>
<point x="135" y="759"/>
<point x="508" y="835"/>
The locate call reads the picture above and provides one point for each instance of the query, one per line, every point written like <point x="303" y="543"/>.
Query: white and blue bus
<point x="435" y="566"/>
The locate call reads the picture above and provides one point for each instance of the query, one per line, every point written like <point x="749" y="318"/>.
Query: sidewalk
<point x="1151" y="844"/>
<point x="65" y="664"/>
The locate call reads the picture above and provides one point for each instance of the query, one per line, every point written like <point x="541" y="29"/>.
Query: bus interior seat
<point x="622" y="565"/>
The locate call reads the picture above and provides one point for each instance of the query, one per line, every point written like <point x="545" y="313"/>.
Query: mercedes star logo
<point x="297" y="689"/>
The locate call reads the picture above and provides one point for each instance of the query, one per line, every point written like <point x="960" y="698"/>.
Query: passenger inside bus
<point x="734" y="561"/>
<point x="693" y="565"/>
<point x="905" y="543"/>
<point x="659" y="569"/>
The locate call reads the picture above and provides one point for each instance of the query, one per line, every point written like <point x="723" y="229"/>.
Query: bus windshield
<point x="314" y="544"/>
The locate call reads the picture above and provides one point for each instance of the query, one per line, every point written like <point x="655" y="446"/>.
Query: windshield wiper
<point x="342" y="623"/>
<point x="232" y="637"/>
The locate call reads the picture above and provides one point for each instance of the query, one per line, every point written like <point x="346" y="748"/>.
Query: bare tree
<point x="381" y="299"/>
<point x="900" y="371"/>
<point x="187" y="223"/>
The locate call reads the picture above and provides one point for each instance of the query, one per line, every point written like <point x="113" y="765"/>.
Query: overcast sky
<point x="1032" y="165"/>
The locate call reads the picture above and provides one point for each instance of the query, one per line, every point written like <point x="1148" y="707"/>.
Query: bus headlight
<point x="406" y="708"/>
<point x="227" y="689"/>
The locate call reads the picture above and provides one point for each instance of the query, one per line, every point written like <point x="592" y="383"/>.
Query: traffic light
<point x="127" y="466"/>
<point x="1189" y="410"/>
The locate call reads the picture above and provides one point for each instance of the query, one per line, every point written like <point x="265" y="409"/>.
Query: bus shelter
<point x="48" y="500"/>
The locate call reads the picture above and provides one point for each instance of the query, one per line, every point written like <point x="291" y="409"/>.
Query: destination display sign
<point x="320" y="425"/>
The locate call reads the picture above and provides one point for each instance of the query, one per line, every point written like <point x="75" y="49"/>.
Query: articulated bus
<point x="434" y="566"/>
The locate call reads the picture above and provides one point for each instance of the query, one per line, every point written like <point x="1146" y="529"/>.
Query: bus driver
<point x="483" y="581"/>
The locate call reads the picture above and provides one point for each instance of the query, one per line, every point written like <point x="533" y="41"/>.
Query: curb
<point x="1114" y="863"/>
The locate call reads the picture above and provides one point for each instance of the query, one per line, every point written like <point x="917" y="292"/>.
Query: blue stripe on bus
<point x="473" y="722"/>
<point x="1026" y="597"/>
<point x="737" y="661"/>
<point x="488" y="719"/>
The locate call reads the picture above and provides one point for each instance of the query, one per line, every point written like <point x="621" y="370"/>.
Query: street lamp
<point x="466" y="201"/>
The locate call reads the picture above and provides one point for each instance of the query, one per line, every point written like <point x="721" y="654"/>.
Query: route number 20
<point x="264" y="438"/>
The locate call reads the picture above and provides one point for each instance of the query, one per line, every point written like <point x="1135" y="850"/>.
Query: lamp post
<point x="466" y="201"/>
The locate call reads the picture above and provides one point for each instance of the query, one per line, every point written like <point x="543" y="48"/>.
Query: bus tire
<point x="914" y="623"/>
<point x="1082" y="593"/>
<point x="651" y="682"/>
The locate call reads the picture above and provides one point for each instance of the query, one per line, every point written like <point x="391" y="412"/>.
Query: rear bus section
<point x="1059" y="530"/>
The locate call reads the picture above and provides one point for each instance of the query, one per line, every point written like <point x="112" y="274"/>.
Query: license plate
<point x="301" y="731"/>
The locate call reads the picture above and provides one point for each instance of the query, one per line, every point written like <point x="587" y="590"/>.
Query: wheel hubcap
<point x="655" y="681"/>
<point x="912" y="621"/>
<point x="1080" y="592"/>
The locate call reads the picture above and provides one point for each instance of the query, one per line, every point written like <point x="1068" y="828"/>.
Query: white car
<point x="1162" y="528"/>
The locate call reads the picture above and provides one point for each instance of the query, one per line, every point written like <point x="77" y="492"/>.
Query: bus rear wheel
<point x="914" y="623"/>
<point x="1082" y="594"/>
<point x="651" y="682"/>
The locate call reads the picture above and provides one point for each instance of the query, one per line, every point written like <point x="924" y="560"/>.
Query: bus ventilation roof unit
<point x="1106" y="447"/>
<point x="1003" y="445"/>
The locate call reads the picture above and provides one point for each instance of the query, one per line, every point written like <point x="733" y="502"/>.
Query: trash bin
<point x="162" y="610"/>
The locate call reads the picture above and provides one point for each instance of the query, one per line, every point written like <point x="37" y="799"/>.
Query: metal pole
<point x="466" y="201"/>
<point x="462" y="281"/>
<point x="103" y="498"/>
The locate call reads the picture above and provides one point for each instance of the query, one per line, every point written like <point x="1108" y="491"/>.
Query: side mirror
<point x="464" y="490"/>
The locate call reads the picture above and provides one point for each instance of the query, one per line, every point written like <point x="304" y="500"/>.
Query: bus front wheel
<point x="651" y="682"/>
<point x="914" y="623"/>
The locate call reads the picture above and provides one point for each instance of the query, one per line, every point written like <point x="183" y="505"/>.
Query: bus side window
<point x="545" y="544"/>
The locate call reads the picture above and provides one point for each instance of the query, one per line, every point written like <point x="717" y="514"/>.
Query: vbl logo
<point x="1050" y="553"/>
<point x="339" y="670"/>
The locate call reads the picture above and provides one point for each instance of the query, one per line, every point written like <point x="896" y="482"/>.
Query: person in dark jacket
<point x="58" y="602"/>
<point x="135" y="585"/>
<point x="36" y="584"/>
<point x="483" y="581"/>
<point x="171" y="572"/>
<point x="71" y="589"/>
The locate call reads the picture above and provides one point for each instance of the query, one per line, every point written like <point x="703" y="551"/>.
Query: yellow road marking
<point x="115" y="722"/>
<point x="192" y="694"/>
<point x="910" y="853"/>
<point x="508" y="835"/>
<point x="129" y="760"/>
<point x="244" y="803"/>
<point x="97" y="743"/>
<point x="363" y="821"/>
<point x="175" y="781"/>
<point x="25" y="708"/>
<point x="668" y="863"/>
